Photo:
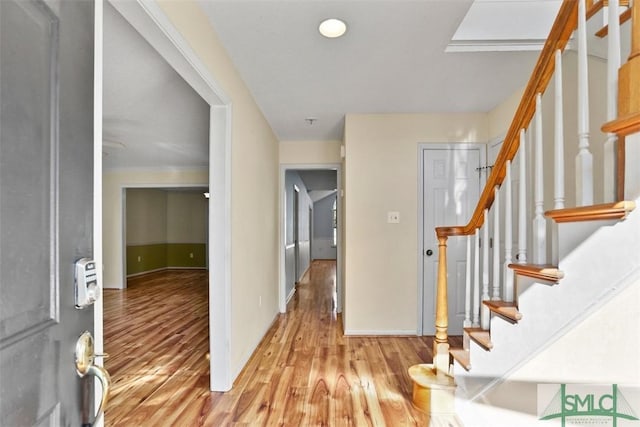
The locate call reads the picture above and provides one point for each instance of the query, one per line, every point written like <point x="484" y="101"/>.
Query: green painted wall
<point x="142" y="258"/>
<point x="180" y="255"/>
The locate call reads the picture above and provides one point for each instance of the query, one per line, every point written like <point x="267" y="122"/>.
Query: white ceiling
<point x="151" y="117"/>
<point x="392" y="60"/>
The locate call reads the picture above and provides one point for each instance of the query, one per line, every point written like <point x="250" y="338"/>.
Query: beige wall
<point x="254" y="189"/>
<point x="310" y="152"/>
<point x="186" y="217"/>
<point x="113" y="183"/>
<point x="501" y="116"/>
<point x="381" y="174"/>
<point x="146" y="216"/>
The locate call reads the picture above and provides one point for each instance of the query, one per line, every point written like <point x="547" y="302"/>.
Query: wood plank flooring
<point x="304" y="372"/>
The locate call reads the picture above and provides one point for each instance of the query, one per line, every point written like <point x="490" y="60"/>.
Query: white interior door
<point x="451" y="188"/>
<point x="46" y="215"/>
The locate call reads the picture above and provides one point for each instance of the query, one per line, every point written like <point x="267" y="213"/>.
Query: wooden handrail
<point x="564" y="25"/>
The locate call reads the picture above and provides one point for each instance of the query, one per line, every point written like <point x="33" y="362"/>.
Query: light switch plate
<point x="393" y="217"/>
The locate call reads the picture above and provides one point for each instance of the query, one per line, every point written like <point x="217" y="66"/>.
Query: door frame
<point x="482" y="148"/>
<point x="296" y="234"/>
<point x="282" y="293"/>
<point x="154" y="26"/>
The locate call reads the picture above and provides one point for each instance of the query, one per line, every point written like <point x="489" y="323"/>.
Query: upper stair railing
<point x="623" y="117"/>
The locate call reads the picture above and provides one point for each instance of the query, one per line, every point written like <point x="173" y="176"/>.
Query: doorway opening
<point x="152" y="24"/>
<point x="310" y="211"/>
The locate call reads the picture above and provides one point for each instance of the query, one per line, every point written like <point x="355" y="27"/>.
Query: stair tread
<point x="604" y="211"/>
<point x="462" y="356"/>
<point x="482" y="337"/>
<point x="509" y="310"/>
<point x="546" y="272"/>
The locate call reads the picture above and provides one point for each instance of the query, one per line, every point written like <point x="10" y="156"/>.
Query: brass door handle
<point x="85" y="358"/>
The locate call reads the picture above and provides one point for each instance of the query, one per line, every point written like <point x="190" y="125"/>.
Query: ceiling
<point x="391" y="60"/>
<point x="151" y="117"/>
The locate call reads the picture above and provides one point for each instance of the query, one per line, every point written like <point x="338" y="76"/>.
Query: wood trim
<point x="624" y="17"/>
<point x="594" y="7"/>
<point x="623" y="126"/>
<point x="462" y="356"/>
<point x="605" y="211"/>
<point x="480" y="336"/>
<point x="547" y="273"/>
<point x="562" y="29"/>
<point x="507" y="310"/>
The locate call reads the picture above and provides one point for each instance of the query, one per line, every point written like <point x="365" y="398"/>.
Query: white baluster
<point x="496" y="244"/>
<point x="558" y="158"/>
<point x="558" y="199"/>
<point x="522" y="202"/>
<point x="539" y="222"/>
<point x="584" y="159"/>
<point x="613" y="64"/>
<point x="485" y="314"/>
<point x="467" y="287"/>
<point x="508" y="239"/>
<point x="476" y="281"/>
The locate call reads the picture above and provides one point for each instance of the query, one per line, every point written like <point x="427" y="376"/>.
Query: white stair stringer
<point x="594" y="271"/>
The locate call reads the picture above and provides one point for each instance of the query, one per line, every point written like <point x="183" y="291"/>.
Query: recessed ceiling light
<point x="332" y="28"/>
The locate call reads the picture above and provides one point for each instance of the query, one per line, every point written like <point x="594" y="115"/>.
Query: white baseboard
<point x="293" y="291"/>
<point x="142" y="273"/>
<point x="252" y="349"/>
<point x="385" y="332"/>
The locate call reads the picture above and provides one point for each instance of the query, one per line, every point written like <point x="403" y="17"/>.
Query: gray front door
<point x="46" y="198"/>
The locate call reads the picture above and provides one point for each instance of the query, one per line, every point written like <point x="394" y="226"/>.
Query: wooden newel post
<point x="441" y="343"/>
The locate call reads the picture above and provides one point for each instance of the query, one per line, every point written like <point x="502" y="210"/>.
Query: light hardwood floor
<point x="304" y="372"/>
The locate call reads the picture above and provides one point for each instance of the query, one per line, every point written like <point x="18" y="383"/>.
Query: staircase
<point x="526" y="294"/>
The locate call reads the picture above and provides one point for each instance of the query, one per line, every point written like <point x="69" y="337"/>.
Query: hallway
<point x="304" y="372"/>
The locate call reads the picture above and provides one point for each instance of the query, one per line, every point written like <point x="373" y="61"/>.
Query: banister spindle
<point x="584" y="159"/>
<point x="508" y="239"/>
<point x="485" y="315"/>
<point x="496" y="244"/>
<point x="522" y="201"/>
<point x="467" y="288"/>
<point x="476" y="280"/>
<point x="613" y="65"/>
<point x="558" y="199"/>
<point x="539" y="222"/>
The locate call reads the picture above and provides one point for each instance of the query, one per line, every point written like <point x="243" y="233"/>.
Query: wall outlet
<point x="393" y="217"/>
<point x="191" y="255"/>
<point x="139" y="258"/>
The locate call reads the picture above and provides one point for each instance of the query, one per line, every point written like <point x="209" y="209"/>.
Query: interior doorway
<point x="152" y="24"/>
<point x="164" y="228"/>
<point x="307" y="197"/>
